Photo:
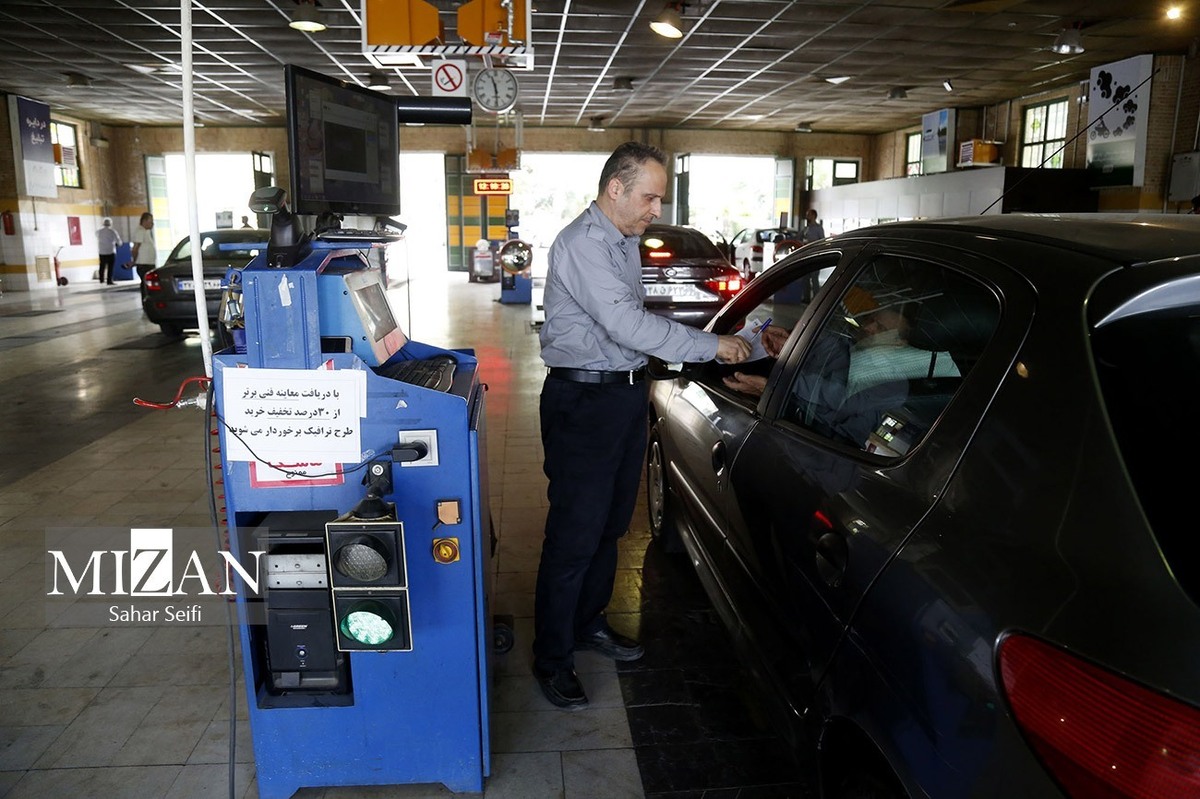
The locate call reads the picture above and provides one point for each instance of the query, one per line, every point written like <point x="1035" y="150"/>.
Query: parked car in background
<point x="752" y="249"/>
<point x="168" y="296"/>
<point x="942" y="524"/>
<point x="685" y="276"/>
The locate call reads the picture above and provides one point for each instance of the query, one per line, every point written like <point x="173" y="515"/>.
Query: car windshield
<point x="676" y="243"/>
<point x="223" y="246"/>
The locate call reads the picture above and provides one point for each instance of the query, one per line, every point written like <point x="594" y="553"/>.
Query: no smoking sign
<point x="450" y="79"/>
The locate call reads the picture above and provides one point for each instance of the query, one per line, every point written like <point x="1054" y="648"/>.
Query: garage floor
<point x="143" y="712"/>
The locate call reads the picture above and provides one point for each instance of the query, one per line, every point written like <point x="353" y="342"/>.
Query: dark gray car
<point x="944" y="524"/>
<point x="168" y="296"/>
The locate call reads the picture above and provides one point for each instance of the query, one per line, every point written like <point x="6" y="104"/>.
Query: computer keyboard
<point x="351" y="234"/>
<point x="436" y="373"/>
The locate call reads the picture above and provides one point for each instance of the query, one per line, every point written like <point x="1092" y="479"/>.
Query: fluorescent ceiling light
<point x="947" y="85"/>
<point x="596" y="125"/>
<point x="838" y="79"/>
<point x="385" y="60"/>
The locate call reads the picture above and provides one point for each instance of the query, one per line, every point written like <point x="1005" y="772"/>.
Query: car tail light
<point x="152" y="281"/>
<point x="1099" y="734"/>
<point x="756" y="249"/>
<point x="725" y="286"/>
<point x="660" y="254"/>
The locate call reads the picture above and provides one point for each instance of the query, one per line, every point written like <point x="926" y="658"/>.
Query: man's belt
<point x="629" y="376"/>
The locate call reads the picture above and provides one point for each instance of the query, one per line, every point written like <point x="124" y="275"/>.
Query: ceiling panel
<point x="744" y="64"/>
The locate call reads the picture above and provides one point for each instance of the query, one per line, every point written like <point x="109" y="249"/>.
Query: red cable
<point x="204" y="381"/>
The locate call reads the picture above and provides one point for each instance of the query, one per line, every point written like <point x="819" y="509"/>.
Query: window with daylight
<point x="1044" y="132"/>
<point x="66" y="155"/>
<point x="822" y="173"/>
<point x="912" y="158"/>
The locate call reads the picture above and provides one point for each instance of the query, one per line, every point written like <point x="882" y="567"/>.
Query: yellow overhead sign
<point x="401" y="22"/>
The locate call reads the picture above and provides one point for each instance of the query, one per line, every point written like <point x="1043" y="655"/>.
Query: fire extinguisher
<point x="10" y="224"/>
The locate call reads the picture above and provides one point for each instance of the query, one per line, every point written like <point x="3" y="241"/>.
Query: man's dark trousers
<point x="594" y="437"/>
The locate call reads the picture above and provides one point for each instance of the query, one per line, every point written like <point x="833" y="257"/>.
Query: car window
<point x="1148" y="366"/>
<point x="676" y="243"/>
<point x="780" y="299"/>
<point x="887" y="361"/>
<point x="224" y="247"/>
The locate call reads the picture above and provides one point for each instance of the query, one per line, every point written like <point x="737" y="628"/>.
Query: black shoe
<point x="611" y="643"/>
<point x="562" y="688"/>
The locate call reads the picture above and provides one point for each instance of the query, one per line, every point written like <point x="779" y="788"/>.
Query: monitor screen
<point x="374" y="312"/>
<point x="343" y="146"/>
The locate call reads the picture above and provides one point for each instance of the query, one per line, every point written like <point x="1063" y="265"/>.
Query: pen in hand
<point x="761" y="328"/>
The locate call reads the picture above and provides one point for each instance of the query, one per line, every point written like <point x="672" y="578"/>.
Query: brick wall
<point x="8" y="168"/>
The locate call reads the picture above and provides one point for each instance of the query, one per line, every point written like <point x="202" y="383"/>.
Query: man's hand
<point x="732" y="349"/>
<point x="773" y="339"/>
<point x="754" y="385"/>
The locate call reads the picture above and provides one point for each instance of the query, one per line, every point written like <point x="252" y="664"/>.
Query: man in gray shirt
<point x="813" y="230"/>
<point x="596" y="340"/>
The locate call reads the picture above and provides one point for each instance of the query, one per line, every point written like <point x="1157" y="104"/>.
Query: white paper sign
<point x="291" y="415"/>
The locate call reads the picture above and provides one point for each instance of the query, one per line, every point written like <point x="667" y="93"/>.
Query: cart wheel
<point x="503" y="638"/>
<point x="62" y="281"/>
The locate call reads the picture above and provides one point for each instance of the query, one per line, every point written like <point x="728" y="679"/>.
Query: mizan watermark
<point x="151" y="581"/>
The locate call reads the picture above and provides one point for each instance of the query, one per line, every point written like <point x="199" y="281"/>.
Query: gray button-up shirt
<point x="595" y="318"/>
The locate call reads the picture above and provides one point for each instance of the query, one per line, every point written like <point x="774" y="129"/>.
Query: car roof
<point x="1123" y="238"/>
<point x="236" y="234"/>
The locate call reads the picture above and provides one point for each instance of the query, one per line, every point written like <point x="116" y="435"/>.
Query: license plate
<point x="210" y="284"/>
<point x="677" y="292"/>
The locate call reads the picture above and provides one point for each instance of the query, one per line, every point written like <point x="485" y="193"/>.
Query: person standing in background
<point x="144" y="255"/>
<point x="813" y="230"/>
<point x="107" y="242"/>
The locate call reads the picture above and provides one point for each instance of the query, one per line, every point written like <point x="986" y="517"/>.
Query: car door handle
<point x="718" y="457"/>
<point x="833" y="555"/>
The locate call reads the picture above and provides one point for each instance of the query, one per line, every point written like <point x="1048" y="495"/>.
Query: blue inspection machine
<point x="356" y="493"/>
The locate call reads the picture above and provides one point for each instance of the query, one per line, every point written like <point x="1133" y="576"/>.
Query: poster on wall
<point x="937" y="136"/>
<point x="30" y="121"/>
<point x="1118" y="119"/>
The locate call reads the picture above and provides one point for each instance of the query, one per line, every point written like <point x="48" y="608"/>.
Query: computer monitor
<point x="343" y="146"/>
<point x="375" y="314"/>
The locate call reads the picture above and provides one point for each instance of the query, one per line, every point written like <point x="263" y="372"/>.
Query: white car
<point x="753" y="249"/>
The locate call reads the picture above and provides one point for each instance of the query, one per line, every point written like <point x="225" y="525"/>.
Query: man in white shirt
<point x="107" y="242"/>
<point x="145" y="257"/>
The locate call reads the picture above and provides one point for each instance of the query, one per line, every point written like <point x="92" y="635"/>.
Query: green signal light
<point x="370" y="627"/>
